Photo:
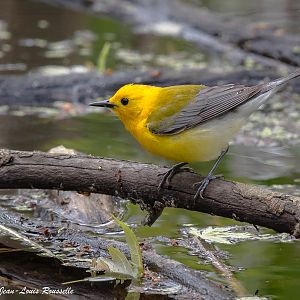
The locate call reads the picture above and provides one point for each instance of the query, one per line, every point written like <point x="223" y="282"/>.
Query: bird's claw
<point x="167" y="176"/>
<point x="185" y="169"/>
<point x="201" y="186"/>
<point x="165" y="180"/>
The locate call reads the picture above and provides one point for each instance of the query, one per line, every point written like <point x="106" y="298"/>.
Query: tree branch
<point x="138" y="182"/>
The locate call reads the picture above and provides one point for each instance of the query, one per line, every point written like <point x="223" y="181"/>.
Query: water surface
<point x="37" y="35"/>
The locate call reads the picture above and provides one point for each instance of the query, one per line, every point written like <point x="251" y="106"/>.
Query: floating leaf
<point x="233" y="235"/>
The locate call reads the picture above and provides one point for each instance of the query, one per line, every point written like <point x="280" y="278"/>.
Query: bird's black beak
<point x="104" y="103"/>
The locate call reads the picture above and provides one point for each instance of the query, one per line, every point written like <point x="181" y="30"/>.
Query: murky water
<point x="43" y="35"/>
<point x="284" y="14"/>
<point x="35" y="35"/>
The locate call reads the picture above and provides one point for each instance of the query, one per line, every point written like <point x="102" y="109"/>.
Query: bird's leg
<point x="170" y="173"/>
<point x="204" y="183"/>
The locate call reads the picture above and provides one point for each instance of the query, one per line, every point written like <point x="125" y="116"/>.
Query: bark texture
<point x="138" y="182"/>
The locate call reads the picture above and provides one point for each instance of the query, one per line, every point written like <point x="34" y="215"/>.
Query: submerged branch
<point x="38" y="90"/>
<point x="190" y="283"/>
<point x="138" y="182"/>
<point x="219" y="265"/>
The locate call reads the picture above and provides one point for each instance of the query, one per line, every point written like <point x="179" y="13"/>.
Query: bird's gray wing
<point x="209" y="103"/>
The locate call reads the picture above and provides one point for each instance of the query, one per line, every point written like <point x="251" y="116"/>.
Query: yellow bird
<point x="189" y="123"/>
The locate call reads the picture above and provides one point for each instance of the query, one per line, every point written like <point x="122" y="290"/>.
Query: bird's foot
<point x="201" y="186"/>
<point x="170" y="173"/>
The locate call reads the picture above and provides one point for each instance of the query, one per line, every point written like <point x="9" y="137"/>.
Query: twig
<point x="238" y="288"/>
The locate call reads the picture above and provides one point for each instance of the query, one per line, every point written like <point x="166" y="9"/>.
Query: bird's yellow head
<point x="131" y="102"/>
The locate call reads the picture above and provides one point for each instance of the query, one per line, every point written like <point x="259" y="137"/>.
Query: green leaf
<point x="119" y="267"/>
<point x="134" y="248"/>
<point x="133" y="296"/>
<point x="118" y="263"/>
<point x="119" y="258"/>
<point x="102" y="58"/>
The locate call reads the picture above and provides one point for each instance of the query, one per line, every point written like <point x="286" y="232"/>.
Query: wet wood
<point x="68" y="244"/>
<point x="27" y="272"/>
<point x="36" y="90"/>
<point x="98" y="209"/>
<point x="138" y="182"/>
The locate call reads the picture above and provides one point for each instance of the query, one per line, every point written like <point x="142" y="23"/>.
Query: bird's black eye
<point x="124" y="101"/>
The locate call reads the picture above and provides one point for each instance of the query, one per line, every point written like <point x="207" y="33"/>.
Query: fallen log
<point x="138" y="182"/>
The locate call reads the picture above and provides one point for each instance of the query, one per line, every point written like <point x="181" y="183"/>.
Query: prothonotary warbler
<point x="189" y="123"/>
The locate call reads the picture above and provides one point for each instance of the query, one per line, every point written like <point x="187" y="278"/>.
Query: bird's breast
<point x="201" y="143"/>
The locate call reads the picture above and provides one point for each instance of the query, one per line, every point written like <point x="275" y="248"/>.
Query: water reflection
<point x="35" y="34"/>
<point x="283" y="14"/>
<point x="264" y="163"/>
<point x="24" y="19"/>
<point x="103" y="135"/>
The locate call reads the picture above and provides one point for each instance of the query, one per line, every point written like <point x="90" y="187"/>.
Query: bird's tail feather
<point x="269" y="89"/>
<point x="281" y="81"/>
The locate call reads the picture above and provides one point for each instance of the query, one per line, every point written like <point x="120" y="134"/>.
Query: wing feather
<point x="209" y="103"/>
